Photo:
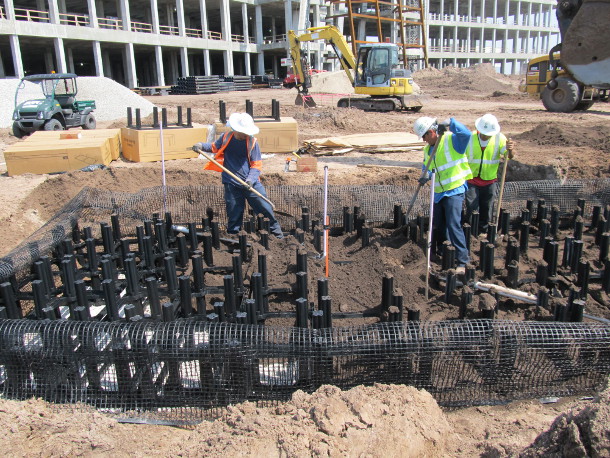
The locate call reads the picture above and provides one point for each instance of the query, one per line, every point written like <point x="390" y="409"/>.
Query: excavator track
<point x="381" y="105"/>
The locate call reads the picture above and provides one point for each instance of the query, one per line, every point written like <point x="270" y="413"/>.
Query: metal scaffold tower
<point x="400" y="21"/>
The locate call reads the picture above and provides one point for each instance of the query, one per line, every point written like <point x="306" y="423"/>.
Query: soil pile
<point x="331" y="83"/>
<point x="399" y="420"/>
<point x="383" y="420"/>
<point x="481" y="79"/>
<point x="580" y="432"/>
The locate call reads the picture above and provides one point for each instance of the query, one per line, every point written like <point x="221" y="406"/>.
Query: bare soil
<point x="365" y="420"/>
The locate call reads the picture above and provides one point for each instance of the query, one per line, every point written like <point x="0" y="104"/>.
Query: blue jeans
<point x="481" y="198"/>
<point x="447" y="224"/>
<point x="235" y="200"/>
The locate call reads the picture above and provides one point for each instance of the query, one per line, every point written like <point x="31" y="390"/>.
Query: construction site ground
<point x="365" y="421"/>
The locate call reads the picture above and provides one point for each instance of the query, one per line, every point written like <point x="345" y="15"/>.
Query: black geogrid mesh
<point x="187" y="370"/>
<point x="189" y="204"/>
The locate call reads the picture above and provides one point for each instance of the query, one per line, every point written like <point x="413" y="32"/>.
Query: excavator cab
<point x="374" y="65"/>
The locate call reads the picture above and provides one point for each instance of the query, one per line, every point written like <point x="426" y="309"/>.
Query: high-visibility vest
<point x="484" y="163"/>
<point x="451" y="167"/>
<point x="219" y="153"/>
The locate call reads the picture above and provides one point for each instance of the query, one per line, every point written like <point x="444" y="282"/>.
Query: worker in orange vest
<point x="238" y="151"/>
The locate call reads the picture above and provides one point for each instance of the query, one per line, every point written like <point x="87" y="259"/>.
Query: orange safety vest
<point x="219" y="153"/>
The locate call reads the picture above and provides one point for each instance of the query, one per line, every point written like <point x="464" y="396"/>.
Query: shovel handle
<point x="235" y="177"/>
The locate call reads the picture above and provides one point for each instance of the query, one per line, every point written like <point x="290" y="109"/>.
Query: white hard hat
<point x="487" y="125"/>
<point x="242" y="122"/>
<point x="423" y="125"/>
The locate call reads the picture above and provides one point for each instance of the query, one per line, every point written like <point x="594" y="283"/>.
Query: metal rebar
<point x="366" y="236"/>
<point x="169" y="266"/>
<point x="524" y="235"/>
<point x="450" y="285"/>
<point x="208" y="252"/>
<point x="577" y="309"/>
<point x="492" y="230"/>
<point x="229" y="295"/>
<point x="109" y="290"/>
<point x="474" y="223"/>
<point x="302" y="321"/>
<point x="264" y="238"/>
<point x="326" y="307"/>
<point x="577" y="247"/>
<point x="512" y="276"/>
<point x="257" y="287"/>
<point x="387" y="288"/>
<point x="543" y="231"/>
<point x="542" y="273"/>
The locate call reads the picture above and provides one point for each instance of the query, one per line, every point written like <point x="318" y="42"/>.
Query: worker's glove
<point x="423" y="180"/>
<point x="442" y="127"/>
<point x="198" y="147"/>
<point x="250" y="184"/>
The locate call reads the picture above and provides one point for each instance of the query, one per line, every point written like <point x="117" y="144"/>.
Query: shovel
<point x="242" y="182"/>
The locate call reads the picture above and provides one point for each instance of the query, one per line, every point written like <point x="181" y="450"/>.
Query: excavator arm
<point x="300" y="61"/>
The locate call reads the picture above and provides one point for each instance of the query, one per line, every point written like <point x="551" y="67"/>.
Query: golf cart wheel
<point x="53" y="124"/>
<point x="17" y="132"/>
<point x="89" y="122"/>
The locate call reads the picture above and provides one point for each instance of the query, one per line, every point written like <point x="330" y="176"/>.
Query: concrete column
<point x="159" y="66"/>
<point x="244" y="19"/>
<point x="169" y="13"/>
<point x="260" y="57"/>
<point x="61" y="4"/>
<point x="92" y="13"/>
<point x="180" y="16"/>
<point x="225" y="20"/>
<point x="99" y="8"/>
<point x="273" y="29"/>
<point x="126" y="18"/>
<point x="2" y="72"/>
<point x="70" y="61"/>
<point x="131" y="77"/>
<point x="361" y="29"/>
<point x="49" y="62"/>
<point x="106" y="64"/>
<point x="53" y="12"/>
<point x="9" y="9"/>
<point x="97" y="57"/>
<point x="60" y="55"/>
<point x="154" y="15"/>
<point x="16" y="52"/>
<point x="288" y="16"/>
<point x="228" y="63"/>
<point x="207" y="64"/>
<point x="184" y="61"/>
<point x="204" y="22"/>
<point x="173" y="61"/>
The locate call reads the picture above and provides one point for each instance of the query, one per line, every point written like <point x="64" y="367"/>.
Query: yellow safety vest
<point x="451" y="167"/>
<point x="484" y="163"/>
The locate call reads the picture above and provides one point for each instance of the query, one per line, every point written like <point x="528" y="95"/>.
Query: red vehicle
<point x="291" y="79"/>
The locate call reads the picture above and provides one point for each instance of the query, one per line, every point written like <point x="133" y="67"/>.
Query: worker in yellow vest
<point x="447" y="142"/>
<point x="487" y="146"/>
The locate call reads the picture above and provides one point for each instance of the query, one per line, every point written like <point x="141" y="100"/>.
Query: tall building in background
<point x="143" y="43"/>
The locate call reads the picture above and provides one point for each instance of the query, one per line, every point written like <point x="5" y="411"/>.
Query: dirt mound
<point x="481" y="78"/>
<point x="561" y="134"/>
<point x="331" y="83"/>
<point x="582" y="432"/>
<point x="384" y="420"/>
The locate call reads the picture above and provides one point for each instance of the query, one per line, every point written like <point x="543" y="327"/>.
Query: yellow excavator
<point x="376" y="72"/>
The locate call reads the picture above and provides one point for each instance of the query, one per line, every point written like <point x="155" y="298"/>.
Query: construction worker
<point x="238" y="151"/>
<point x="486" y="147"/>
<point x="447" y="143"/>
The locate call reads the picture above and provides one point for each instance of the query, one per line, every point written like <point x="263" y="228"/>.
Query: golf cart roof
<point x="49" y="76"/>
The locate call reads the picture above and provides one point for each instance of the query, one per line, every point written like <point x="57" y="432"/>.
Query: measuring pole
<point x="429" y="245"/>
<point x="163" y="167"/>
<point x="325" y="217"/>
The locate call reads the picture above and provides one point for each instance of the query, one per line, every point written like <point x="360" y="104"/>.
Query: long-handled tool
<point x="430" y="227"/>
<point x="502" y="180"/>
<point x="235" y="177"/>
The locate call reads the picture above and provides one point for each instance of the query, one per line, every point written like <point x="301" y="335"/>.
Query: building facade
<point x="143" y="43"/>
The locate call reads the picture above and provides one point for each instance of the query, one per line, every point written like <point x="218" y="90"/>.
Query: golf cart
<point x="59" y="109"/>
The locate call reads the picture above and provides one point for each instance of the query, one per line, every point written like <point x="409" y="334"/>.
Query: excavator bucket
<point x="305" y="100"/>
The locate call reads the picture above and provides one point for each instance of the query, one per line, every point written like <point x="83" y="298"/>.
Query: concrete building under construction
<point x="142" y="43"/>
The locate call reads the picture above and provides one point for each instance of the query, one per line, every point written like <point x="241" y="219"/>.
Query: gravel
<point x="111" y="98"/>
